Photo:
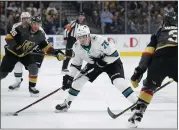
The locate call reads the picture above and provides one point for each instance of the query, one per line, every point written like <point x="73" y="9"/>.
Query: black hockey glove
<point x="99" y="62"/>
<point x="67" y="82"/>
<point x="136" y="77"/>
<point x="87" y="68"/>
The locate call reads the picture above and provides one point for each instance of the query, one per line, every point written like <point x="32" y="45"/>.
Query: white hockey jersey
<point x="100" y="46"/>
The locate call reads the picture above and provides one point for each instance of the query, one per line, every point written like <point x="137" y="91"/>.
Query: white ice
<point x="89" y="109"/>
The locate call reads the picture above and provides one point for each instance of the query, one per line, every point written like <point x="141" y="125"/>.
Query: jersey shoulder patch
<point x="94" y="37"/>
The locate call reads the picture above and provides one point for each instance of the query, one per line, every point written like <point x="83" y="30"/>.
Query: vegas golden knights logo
<point x="27" y="45"/>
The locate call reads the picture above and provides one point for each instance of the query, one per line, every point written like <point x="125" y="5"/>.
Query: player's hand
<point x="67" y="82"/>
<point x="87" y="68"/>
<point x="99" y="62"/>
<point x="136" y="77"/>
<point x="60" y="55"/>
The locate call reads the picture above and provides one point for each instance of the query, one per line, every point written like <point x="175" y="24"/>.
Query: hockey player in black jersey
<point x="18" y="69"/>
<point x="161" y="59"/>
<point x="21" y="41"/>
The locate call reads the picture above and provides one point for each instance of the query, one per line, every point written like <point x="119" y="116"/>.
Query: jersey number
<point x="174" y="35"/>
<point x="105" y="44"/>
<point x="13" y="32"/>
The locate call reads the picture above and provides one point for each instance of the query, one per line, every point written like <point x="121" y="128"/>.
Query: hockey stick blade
<point x="11" y="114"/>
<point x="114" y="116"/>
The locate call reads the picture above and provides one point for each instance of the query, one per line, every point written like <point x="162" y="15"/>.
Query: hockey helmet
<point x="171" y="18"/>
<point x="25" y="15"/>
<point x="36" y="18"/>
<point x="82" y="30"/>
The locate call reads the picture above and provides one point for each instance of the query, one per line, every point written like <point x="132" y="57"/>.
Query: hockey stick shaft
<point x="48" y="94"/>
<point x="37" y="101"/>
<point x="43" y="54"/>
<point x="114" y="116"/>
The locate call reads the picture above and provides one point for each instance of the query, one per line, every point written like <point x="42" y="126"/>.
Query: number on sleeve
<point x="174" y="35"/>
<point x="105" y="44"/>
<point x="13" y="32"/>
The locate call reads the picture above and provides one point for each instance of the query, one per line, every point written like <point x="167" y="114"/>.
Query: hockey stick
<point x="114" y="116"/>
<point x="16" y="113"/>
<point x="43" y="54"/>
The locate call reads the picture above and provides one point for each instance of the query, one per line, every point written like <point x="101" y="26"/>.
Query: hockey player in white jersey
<point x="18" y="69"/>
<point x="101" y="56"/>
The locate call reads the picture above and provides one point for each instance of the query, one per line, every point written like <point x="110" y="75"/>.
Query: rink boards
<point x="127" y="45"/>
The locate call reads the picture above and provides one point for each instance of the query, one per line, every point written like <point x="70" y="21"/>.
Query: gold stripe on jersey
<point x="150" y="50"/>
<point x="167" y="45"/>
<point x="9" y="37"/>
<point x="22" y="55"/>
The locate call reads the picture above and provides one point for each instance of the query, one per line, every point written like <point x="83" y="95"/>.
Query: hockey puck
<point x="15" y="114"/>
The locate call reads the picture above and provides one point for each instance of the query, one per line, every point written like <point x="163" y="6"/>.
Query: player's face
<point x="83" y="40"/>
<point x="35" y="26"/>
<point x="81" y="18"/>
<point x="26" y="20"/>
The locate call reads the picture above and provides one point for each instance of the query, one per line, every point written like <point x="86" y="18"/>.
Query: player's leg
<point x="116" y="73"/>
<point x="7" y="64"/>
<point x="18" y="76"/>
<point x="173" y="68"/>
<point x="157" y="71"/>
<point x="31" y="65"/>
<point x="68" y="53"/>
<point x="39" y="59"/>
<point x="76" y="87"/>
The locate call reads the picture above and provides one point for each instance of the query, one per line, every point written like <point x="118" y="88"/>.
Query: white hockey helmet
<point x="82" y="30"/>
<point x="25" y="15"/>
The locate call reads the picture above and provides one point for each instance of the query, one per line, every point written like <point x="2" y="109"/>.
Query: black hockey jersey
<point x="163" y="43"/>
<point x="21" y="40"/>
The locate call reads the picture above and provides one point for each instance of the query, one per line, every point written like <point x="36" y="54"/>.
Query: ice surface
<point x="89" y="109"/>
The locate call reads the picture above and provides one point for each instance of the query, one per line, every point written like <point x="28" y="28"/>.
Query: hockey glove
<point x="60" y="55"/>
<point x="67" y="82"/>
<point x="99" y="62"/>
<point x="87" y="68"/>
<point x="136" y="77"/>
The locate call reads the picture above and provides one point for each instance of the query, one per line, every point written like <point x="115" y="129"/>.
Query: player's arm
<point x="110" y="53"/>
<point x="47" y="48"/>
<point x="74" y="68"/>
<point x="11" y="38"/>
<point x="144" y="61"/>
<point x="13" y="43"/>
<point x="68" y="28"/>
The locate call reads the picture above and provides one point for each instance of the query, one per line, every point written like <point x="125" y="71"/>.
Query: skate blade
<point x="60" y="111"/>
<point x="34" y="95"/>
<point x="132" y="125"/>
<point x="15" y="89"/>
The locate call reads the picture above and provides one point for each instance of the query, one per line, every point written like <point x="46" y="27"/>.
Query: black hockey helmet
<point x="82" y="13"/>
<point x="170" y="18"/>
<point x="36" y="18"/>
